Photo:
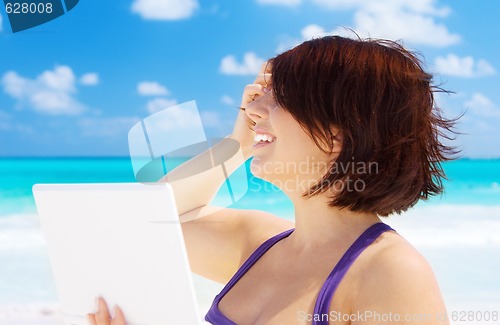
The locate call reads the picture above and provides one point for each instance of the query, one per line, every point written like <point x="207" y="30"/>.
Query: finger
<point x="251" y="93"/>
<point x="91" y="318"/>
<point x="102" y="315"/>
<point x="119" y="317"/>
<point x="265" y="81"/>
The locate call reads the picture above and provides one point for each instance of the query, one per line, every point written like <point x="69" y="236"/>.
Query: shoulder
<point x="255" y="224"/>
<point x="395" y="254"/>
<point x="245" y="229"/>
<point x="219" y="240"/>
<point x="396" y="279"/>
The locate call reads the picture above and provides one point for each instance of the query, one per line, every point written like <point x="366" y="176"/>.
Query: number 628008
<point x="28" y="8"/>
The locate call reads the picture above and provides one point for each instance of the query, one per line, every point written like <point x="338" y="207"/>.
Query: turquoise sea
<point x="470" y="181"/>
<point x="459" y="232"/>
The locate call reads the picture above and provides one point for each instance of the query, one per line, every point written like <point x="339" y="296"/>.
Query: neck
<point x="317" y="224"/>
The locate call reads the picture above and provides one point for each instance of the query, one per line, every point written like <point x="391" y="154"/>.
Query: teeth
<point x="263" y="137"/>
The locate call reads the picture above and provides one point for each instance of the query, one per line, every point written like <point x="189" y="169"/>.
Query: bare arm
<point x="196" y="181"/>
<point x="194" y="189"/>
<point x="218" y="240"/>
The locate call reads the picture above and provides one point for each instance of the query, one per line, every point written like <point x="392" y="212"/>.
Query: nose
<point x="259" y="109"/>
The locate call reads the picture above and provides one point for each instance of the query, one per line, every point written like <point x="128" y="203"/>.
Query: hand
<point x="243" y="127"/>
<point x="102" y="317"/>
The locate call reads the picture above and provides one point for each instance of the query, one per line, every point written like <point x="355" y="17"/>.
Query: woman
<point x="348" y="130"/>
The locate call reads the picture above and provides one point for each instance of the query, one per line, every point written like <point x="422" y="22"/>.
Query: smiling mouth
<point x="261" y="139"/>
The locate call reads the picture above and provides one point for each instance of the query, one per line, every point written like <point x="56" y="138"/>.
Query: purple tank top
<point x="322" y="306"/>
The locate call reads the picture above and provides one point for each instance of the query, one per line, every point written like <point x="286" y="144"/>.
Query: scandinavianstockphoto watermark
<point x="26" y="14"/>
<point x="301" y="176"/>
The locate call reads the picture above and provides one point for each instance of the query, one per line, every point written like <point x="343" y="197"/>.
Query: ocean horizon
<point x="457" y="232"/>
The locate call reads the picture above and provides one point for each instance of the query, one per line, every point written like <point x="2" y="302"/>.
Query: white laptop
<point x="123" y="242"/>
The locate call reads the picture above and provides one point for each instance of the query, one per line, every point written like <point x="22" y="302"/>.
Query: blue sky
<point x="75" y="86"/>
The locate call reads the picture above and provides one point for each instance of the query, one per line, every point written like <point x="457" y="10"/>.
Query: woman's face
<point x="284" y="154"/>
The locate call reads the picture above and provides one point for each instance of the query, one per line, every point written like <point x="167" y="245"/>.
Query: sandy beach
<point x="462" y="250"/>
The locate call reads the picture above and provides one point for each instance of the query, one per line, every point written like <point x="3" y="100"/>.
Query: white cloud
<point x="409" y="20"/>
<point x="89" y="79"/>
<point x="309" y="32"/>
<point x="151" y="88"/>
<point x="175" y="118"/>
<point x="479" y="126"/>
<point x="52" y="92"/>
<point x="60" y="79"/>
<point x="106" y="127"/>
<point x="312" y="31"/>
<point x="165" y="9"/>
<point x="251" y="65"/>
<point x="422" y="6"/>
<point x="408" y="26"/>
<point x="227" y="100"/>
<point x="280" y="2"/>
<point x="482" y="106"/>
<point x="466" y="67"/>
<point x="158" y="104"/>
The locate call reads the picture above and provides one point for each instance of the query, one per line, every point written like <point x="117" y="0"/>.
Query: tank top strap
<point x="322" y="306"/>
<point x="263" y="248"/>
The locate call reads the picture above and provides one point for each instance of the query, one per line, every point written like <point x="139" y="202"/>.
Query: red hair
<point x="381" y="99"/>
